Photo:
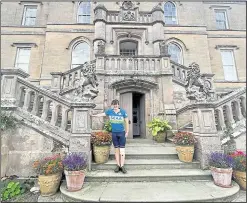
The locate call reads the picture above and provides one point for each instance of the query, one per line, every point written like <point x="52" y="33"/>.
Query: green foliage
<point x="158" y="125"/>
<point x="15" y="188"/>
<point x="107" y="126"/>
<point x="7" y="121"/>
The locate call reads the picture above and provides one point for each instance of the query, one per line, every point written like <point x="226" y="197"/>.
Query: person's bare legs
<point x="122" y="156"/>
<point x="117" y="156"/>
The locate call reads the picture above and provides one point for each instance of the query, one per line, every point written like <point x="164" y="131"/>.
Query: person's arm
<point x="127" y="126"/>
<point x="99" y="115"/>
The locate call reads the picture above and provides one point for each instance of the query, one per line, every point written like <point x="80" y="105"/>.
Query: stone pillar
<point x="157" y="28"/>
<point x="229" y="114"/>
<point x="221" y="118"/>
<point x="8" y="86"/>
<point x="81" y="130"/>
<point x="100" y="26"/>
<point x="35" y="104"/>
<point x="205" y="131"/>
<point x="237" y="108"/>
<point x="56" y="81"/>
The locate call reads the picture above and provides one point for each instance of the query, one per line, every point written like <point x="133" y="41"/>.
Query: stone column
<point x="35" y="104"/>
<point x="205" y="131"/>
<point x="221" y="118"/>
<point x="81" y="130"/>
<point x="100" y="26"/>
<point x="9" y="85"/>
<point x="238" y="109"/>
<point x="56" y="81"/>
<point x="229" y="114"/>
<point x="158" y="28"/>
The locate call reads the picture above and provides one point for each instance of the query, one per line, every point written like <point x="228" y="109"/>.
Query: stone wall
<point x="21" y="146"/>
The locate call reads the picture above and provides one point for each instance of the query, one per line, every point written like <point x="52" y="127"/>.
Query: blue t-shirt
<point x="117" y="119"/>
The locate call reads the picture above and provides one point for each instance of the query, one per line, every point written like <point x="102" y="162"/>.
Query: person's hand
<point x="126" y="134"/>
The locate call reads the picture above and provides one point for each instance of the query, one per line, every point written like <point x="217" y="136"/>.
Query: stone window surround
<point x="75" y="16"/>
<point x="224" y="9"/>
<point x="17" y="53"/>
<point x="231" y="48"/>
<point x="177" y="13"/>
<point x="75" y="42"/>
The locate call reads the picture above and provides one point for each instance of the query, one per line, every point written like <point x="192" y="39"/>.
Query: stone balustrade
<point x="66" y="80"/>
<point x="138" y="64"/>
<point x="227" y="110"/>
<point x="179" y="71"/>
<point x="55" y="110"/>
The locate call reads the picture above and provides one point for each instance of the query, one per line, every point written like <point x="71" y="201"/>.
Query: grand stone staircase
<point x="155" y="174"/>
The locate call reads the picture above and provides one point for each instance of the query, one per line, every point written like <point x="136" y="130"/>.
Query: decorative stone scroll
<point x="198" y="87"/>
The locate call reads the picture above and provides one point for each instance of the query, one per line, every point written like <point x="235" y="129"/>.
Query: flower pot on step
<point x="240" y="178"/>
<point x="222" y="176"/>
<point x="101" y="153"/>
<point x="160" y="137"/>
<point x="185" y="153"/>
<point x="74" y="179"/>
<point x="49" y="184"/>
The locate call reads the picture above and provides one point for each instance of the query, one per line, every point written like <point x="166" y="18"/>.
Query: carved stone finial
<point x="198" y="87"/>
<point x="127" y="5"/>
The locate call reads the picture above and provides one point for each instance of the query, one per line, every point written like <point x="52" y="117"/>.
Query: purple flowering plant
<point x="221" y="160"/>
<point x="75" y="161"/>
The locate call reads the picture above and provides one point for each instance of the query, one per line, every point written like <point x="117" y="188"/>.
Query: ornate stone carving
<point x="85" y="89"/>
<point x="101" y="47"/>
<point x="127" y="5"/>
<point x="163" y="48"/>
<point x="128" y="15"/>
<point x="78" y="143"/>
<point x="198" y="87"/>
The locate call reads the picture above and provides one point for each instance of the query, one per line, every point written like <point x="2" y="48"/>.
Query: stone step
<point x="192" y="191"/>
<point x="153" y="175"/>
<point x="148" y="164"/>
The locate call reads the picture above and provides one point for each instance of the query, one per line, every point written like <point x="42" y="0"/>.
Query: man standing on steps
<point x="118" y="117"/>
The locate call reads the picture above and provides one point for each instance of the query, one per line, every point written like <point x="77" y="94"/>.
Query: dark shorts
<point x="118" y="139"/>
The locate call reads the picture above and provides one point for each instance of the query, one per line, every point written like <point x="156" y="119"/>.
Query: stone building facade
<point x="142" y="49"/>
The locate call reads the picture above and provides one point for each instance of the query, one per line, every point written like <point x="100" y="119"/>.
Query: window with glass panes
<point x="175" y="52"/>
<point x="84" y="11"/>
<point x="221" y="19"/>
<point x="128" y="48"/>
<point x="22" y="58"/>
<point x="228" y="63"/>
<point x="29" y="16"/>
<point x="170" y="13"/>
<point x="80" y="54"/>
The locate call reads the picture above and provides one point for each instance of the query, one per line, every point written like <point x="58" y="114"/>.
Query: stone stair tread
<point x="167" y="191"/>
<point x="149" y="173"/>
<point x="147" y="150"/>
<point x="148" y="161"/>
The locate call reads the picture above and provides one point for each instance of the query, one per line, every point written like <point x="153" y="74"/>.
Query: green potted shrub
<point x="159" y="128"/>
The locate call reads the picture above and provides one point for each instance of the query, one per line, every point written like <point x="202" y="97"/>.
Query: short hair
<point x="115" y="102"/>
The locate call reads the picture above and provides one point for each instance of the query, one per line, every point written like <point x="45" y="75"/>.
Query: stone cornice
<point x="24" y="45"/>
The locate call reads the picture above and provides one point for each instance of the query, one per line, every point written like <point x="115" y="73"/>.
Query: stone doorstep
<point x="147" y="164"/>
<point x="169" y="191"/>
<point x="153" y="175"/>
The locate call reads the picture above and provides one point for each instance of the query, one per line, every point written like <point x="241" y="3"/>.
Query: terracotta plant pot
<point x="74" y="180"/>
<point x="101" y="153"/>
<point x="222" y="176"/>
<point x="49" y="184"/>
<point x="240" y="178"/>
<point x="160" y="137"/>
<point x="185" y="153"/>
